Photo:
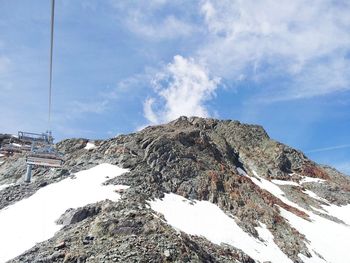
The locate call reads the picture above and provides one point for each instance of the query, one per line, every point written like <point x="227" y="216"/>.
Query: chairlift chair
<point x="35" y="137"/>
<point x="45" y="156"/>
<point x="52" y="160"/>
<point x="42" y="152"/>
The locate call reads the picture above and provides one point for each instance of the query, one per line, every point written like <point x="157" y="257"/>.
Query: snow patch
<point x="314" y="257"/>
<point x="318" y="210"/>
<point x="340" y="212"/>
<point x="327" y="238"/>
<point x="90" y="146"/>
<point x="268" y="238"/>
<point x="277" y="192"/>
<point x="307" y="179"/>
<point x="274" y="190"/>
<point x="282" y="182"/>
<point x="241" y="171"/>
<point x="32" y="220"/>
<point x="203" y="218"/>
<point x="314" y="196"/>
<point x="3" y="186"/>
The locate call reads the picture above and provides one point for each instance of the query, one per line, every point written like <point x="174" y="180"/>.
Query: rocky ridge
<point x="197" y="158"/>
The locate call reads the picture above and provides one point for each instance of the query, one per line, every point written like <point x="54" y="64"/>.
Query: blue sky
<point x="122" y="65"/>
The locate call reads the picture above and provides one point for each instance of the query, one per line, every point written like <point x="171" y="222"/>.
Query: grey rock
<point x="194" y="157"/>
<point x="72" y="216"/>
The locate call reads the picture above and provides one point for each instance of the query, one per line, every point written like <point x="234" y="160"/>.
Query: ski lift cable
<point x="51" y="55"/>
<point x="41" y="152"/>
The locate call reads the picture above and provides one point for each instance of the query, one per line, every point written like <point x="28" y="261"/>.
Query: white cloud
<point x="307" y="43"/>
<point x="170" y="27"/>
<point x="322" y="78"/>
<point x="292" y="49"/>
<point x="316" y="79"/>
<point x="148" y="111"/>
<point x="330" y="148"/>
<point x="133" y="83"/>
<point x="79" y="107"/>
<point x="150" y="19"/>
<point x="182" y="88"/>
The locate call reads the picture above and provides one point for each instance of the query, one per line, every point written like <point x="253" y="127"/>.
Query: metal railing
<point x="36" y="137"/>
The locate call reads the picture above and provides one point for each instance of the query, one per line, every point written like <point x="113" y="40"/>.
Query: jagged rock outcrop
<point x="197" y="158"/>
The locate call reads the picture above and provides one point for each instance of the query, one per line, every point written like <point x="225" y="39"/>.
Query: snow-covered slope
<point x="326" y="239"/>
<point x="32" y="220"/>
<point x="205" y="219"/>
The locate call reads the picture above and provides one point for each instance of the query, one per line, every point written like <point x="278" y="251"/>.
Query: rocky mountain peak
<point x="258" y="183"/>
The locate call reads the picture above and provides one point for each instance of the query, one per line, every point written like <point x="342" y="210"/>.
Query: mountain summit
<point x="192" y="190"/>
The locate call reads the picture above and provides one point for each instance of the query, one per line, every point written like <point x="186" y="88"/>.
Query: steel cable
<point x="51" y="52"/>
